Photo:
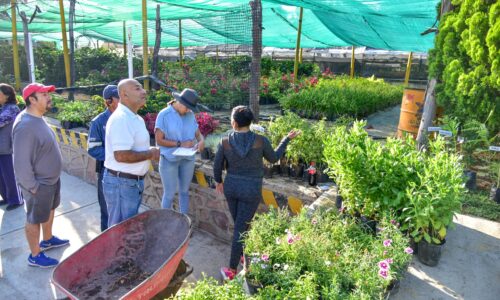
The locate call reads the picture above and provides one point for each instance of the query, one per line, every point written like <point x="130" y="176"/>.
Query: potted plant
<point x="206" y="123"/>
<point x="211" y="143"/>
<point x="495" y="189"/>
<point x="474" y="135"/>
<point x="433" y="201"/>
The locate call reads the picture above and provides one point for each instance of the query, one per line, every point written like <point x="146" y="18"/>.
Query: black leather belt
<point x="125" y="175"/>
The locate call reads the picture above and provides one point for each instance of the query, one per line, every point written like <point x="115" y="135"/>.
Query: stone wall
<point x="208" y="210"/>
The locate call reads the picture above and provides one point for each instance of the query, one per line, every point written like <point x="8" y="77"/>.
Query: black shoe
<point x="13" y="206"/>
<point x="3" y="202"/>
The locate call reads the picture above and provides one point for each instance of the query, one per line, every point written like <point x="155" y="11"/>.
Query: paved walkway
<point x="78" y="219"/>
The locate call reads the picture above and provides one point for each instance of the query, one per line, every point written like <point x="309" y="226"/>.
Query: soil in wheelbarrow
<point x="124" y="273"/>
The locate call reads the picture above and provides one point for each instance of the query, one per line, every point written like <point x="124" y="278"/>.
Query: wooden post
<point x="297" y="47"/>
<point x="65" y="44"/>
<point x="156" y="49"/>
<point x="15" y="53"/>
<point x="255" y="67"/>
<point x="353" y="58"/>
<point x="145" y="56"/>
<point x="125" y="39"/>
<point x="408" y="68"/>
<point x="181" y="51"/>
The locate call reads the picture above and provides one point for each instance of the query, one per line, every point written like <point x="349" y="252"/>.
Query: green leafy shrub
<point x="466" y="63"/>
<point x="209" y="289"/>
<point x="422" y="188"/>
<point x="332" y="98"/>
<point x="81" y="111"/>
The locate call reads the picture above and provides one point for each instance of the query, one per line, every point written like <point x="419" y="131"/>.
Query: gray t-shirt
<point x="37" y="158"/>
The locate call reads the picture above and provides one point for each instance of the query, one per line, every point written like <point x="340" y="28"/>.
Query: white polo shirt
<point x="126" y="130"/>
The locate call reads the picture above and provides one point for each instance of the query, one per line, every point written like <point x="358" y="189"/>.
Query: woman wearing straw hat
<point x="176" y="128"/>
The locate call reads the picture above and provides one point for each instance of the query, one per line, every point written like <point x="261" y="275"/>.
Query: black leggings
<point x="243" y="197"/>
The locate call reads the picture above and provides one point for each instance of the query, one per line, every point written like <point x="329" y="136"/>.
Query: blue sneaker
<point x="53" y="242"/>
<point x="42" y="261"/>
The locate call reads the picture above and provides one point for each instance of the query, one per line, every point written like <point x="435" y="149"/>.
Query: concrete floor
<point x="78" y="219"/>
<point x="469" y="267"/>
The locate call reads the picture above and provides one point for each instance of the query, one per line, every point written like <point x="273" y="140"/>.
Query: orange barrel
<point x="412" y="108"/>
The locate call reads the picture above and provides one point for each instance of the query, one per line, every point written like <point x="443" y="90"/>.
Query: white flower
<point x="328" y="263"/>
<point x="285" y="267"/>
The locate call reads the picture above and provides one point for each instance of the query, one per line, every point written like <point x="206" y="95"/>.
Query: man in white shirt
<point x="128" y="154"/>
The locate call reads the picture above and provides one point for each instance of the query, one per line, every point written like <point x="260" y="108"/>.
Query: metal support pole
<point x="15" y="52"/>
<point x="352" y="62"/>
<point x="297" y="47"/>
<point x="145" y="54"/>
<point x="125" y="39"/>
<point x="181" y="51"/>
<point x="408" y="68"/>
<point x="65" y="43"/>
<point x="32" y="59"/>
<point x="300" y="56"/>
<point x="130" y="58"/>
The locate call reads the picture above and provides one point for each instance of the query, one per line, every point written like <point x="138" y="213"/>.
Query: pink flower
<point x="383" y="265"/>
<point x="393" y="222"/>
<point x="265" y="257"/>
<point x="389" y="261"/>
<point x="314" y="221"/>
<point x="290" y="240"/>
<point x="385" y="253"/>
<point x="383" y="273"/>
<point x="387" y="243"/>
<point x="409" y="250"/>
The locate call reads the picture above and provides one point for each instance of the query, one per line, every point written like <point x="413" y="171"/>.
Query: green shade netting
<point x="384" y="24"/>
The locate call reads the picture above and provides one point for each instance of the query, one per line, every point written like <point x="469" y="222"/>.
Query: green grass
<point x="479" y="204"/>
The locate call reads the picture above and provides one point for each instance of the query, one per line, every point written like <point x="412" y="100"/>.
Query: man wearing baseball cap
<point x="38" y="166"/>
<point x="96" y="149"/>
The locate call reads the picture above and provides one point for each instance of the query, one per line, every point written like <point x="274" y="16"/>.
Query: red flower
<point x="206" y="123"/>
<point x="213" y="91"/>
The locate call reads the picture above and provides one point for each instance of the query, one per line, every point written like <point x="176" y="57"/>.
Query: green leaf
<point x="427" y="237"/>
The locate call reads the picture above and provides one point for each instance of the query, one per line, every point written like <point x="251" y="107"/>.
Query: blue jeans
<point x="123" y="197"/>
<point x="175" y="173"/>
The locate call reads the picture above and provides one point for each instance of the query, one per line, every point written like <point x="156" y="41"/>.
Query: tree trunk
<point x="156" y="50"/>
<point x="429" y="113"/>
<point x="430" y="100"/>
<point x="27" y="41"/>
<point x="254" y="87"/>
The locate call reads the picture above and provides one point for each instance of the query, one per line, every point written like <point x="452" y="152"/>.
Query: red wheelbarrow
<point x="134" y="259"/>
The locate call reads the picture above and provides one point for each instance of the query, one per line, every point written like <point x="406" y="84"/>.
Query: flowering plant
<point x="150" y="120"/>
<point x="206" y="123"/>
<point x="339" y="259"/>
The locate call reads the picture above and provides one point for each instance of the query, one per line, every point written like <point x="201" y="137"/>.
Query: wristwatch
<point x="178" y="143"/>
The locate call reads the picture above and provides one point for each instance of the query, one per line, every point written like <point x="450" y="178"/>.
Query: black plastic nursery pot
<point x="338" y="202"/>
<point x="205" y="154"/>
<point x="369" y="224"/>
<point x="470" y="180"/>
<point x="428" y="253"/>
<point x="495" y="194"/>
